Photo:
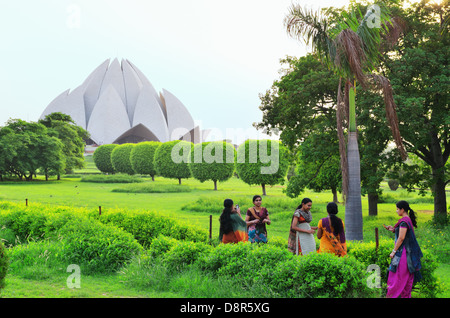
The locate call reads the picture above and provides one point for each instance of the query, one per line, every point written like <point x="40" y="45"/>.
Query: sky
<point x="215" y="56"/>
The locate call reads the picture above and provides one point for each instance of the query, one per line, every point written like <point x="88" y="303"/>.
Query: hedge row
<point x="100" y="243"/>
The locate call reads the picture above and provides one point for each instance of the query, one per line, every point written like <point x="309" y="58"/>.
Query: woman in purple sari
<point x="405" y="266"/>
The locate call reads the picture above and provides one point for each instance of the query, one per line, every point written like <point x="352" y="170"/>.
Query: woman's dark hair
<point x="225" y="217"/>
<point x="304" y="201"/>
<point x="336" y="222"/>
<point x="405" y="206"/>
<point x="256" y="197"/>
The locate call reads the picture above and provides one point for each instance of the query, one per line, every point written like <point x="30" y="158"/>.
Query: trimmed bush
<point x="146" y="225"/>
<point x="256" y="164"/>
<point x="142" y="156"/>
<point x="97" y="247"/>
<point x="117" y="178"/>
<point x="172" y="159"/>
<point x="102" y="158"/>
<point x="153" y="188"/>
<point x="4" y="264"/>
<point x="120" y="158"/>
<point x="212" y="161"/>
<point x="185" y="253"/>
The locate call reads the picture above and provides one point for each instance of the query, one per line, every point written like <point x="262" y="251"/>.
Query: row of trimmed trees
<point x="263" y="162"/>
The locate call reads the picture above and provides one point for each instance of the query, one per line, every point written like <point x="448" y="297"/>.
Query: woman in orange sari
<point x="331" y="233"/>
<point x="233" y="228"/>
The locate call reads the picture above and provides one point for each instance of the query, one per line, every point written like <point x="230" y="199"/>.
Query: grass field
<point x="195" y="205"/>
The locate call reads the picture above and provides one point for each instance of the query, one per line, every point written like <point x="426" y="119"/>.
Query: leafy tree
<point x="263" y="162"/>
<point x="318" y="164"/>
<point x="418" y="68"/>
<point x="26" y="147"/>
<point x="142" y="156"/>
<point x="212" y="161"/>
<point x="172" y="159"/>
<point x="120" y="158"/>
<point x="102" y="158"/>
<point x="350" y="45"/>
<point x="72" y="136"/>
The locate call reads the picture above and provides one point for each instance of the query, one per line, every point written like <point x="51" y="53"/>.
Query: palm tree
<point x="350" y="46"/>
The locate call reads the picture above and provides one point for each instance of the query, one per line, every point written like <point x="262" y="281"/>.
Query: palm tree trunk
<point x="353" y="205"/>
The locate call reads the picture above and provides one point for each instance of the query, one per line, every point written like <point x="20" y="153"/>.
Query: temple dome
<point x="117" y="104"/>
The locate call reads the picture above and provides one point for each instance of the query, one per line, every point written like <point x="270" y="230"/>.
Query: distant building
<point x="118" y="104"/>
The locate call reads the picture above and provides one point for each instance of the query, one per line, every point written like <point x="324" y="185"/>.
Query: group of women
<point x="405" y="266"/>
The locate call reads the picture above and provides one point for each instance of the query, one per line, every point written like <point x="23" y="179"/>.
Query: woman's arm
<point x="401" y="238"/>
<point x="295" y="228"/>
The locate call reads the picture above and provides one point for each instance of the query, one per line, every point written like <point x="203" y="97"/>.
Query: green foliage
<point x="185" y="253"/>
<point x="172" y="159"/>
<point x="4" y="264"/>
<point x="102" y="158"/>
<point x="212" y="161"/>
<point x="142" y="156"/>
<point x="147" y="225"/>
<point x="97" y="247"/>
<point x="63" y="127"/>
<point x="262" y="162"/>
<point x="116" y="178"/>
<point x="26" y="148"/>
<point x="153" y="188"/>
<point x="120" y="158"/>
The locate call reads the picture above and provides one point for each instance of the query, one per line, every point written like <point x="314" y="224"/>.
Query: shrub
<point x="185" y="253"/>
<point x="161" y="245"/>
<point x="4" y="263"/>
<point x="120" y="158"/>
<point x="172" y="159"/>
<point x="153" y="188"/>
<point x="97" y="247"/>
<point x="393" y="184"/>
<point x="102" y="158"/>
<point x="117" y="178"/>
<point x="142" y="156"/>
<point x="212" y="161"/>
<point x="146" y="225"/>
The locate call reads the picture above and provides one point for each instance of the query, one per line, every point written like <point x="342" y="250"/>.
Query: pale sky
<point x="215" y="56"/>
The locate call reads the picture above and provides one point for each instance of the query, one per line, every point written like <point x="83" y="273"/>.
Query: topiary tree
<point x="120" y="158"/>
<point x="172" y="159"/>
<point x="212" y="161"/>
<point x="262" y="162"/>
<point x="102" y="158"/>
<point x="142" y="156"/>
<point x="4" y="263"/>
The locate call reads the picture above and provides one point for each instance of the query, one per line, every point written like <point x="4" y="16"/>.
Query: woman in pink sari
<point x="406" y="255"/>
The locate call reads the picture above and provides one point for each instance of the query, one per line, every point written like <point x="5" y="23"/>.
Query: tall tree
<point x="350" y="45"/>
<point x="72" y="136"/>
<point x="418" y="68"/>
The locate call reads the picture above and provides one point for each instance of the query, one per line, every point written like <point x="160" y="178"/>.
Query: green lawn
<point x="69" y="191"/>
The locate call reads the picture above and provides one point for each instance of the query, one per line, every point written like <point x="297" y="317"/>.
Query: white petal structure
<point x="118" y="104"/>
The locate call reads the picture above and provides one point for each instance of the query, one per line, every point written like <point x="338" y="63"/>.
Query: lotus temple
<point x="118" y="104"/>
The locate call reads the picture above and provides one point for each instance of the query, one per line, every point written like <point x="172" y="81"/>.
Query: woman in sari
<point x="405" y="266"/>
<point x="331" y="233"/>
<point x="233" y="228"/>
<point x="257" y="217"/>
<point x="301" y="235"/>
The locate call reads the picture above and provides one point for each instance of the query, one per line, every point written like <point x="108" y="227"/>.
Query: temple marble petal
<point x="118" y="104"/>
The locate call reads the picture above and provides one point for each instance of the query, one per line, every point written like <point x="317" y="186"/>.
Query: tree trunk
<point x="440" y="199"/>
<point x="263" y="188"/>
<point x="215" y="185"/>
<point x="335" y="197"/>
<point x="353" y="206"/>
<point x="373" y="204"/>
<point x="179" y="181"/>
